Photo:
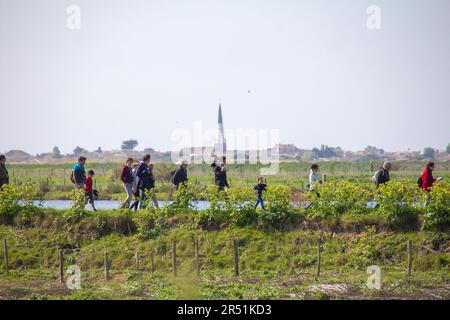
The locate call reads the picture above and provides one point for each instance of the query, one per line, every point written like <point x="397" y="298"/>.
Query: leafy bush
<point x="278" y="207"/>
<point x="18" y="199"/>
<point x="437" y="208"/>
<point x="186" y="195"/>
<point x="398" y="200"/>
<point x="240" y="203"/>
<point x="217" y="210"/>
<point x="337" y="198"/>
<point x="150" y="224"/>
<point x="364" y="253"/>
<point x="78" y="198"/>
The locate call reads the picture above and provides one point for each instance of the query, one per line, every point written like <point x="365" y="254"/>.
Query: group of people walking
<point x="381" y="176"/>
<point x="139" y="180"/>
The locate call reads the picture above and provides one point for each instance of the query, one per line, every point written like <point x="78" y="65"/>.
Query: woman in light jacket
<point x="313" y="177"/>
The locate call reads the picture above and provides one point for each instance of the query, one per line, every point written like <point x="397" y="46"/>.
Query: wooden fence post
<point x="152" y="262"/>
<point x="319" y="250"/>
<point x="236" y="258"/>
<point x="174" y="258"/>
<point x="409" y="257"/>
<point x="106" y="266"/>
<point x="5" y="253"/>
<point x="197" y="259"/>
<point x="61" y="265"/>
<point x="303" y="186"/>
<point x="324" y="178"/>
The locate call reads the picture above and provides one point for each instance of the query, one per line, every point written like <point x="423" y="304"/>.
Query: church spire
<point x="220" y="115"/>
<point x="221" y="146"/>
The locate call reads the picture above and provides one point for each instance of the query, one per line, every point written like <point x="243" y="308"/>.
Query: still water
<point x="113" y="204"/>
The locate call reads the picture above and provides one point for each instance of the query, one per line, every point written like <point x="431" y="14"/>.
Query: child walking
<point x="134" y="187"/>
<point x="89" y="191"/>
<point x="259" y="188"/>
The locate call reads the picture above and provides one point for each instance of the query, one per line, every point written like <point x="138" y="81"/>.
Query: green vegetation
<point x="53" y="179"/>
<point x="277" y="246"/>
<point x="273" y="264"/>
<point x="399" y="204"/>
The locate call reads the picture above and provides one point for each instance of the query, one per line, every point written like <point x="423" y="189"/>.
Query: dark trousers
<point x="260" y="201"/>
<point x="135" y="205"/>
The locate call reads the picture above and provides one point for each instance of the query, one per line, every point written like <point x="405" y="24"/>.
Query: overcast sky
<point x="142" y="69"/>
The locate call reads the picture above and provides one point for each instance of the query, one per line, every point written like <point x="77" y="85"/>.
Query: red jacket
<point x="427" y="179"/>
<point x="126" y="176"/>
<point x="89" y="182"/>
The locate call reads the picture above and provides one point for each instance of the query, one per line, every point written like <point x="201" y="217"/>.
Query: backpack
<point x="420" y="182"/>
<point x="172" y="176"/>
<point x="376" y="176"/>
<point x="72" y="178"/>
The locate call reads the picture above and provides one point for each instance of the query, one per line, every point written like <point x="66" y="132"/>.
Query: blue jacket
<point x="79" y="174"/>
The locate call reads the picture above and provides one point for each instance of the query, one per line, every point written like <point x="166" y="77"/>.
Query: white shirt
<point x="313" y="177"/>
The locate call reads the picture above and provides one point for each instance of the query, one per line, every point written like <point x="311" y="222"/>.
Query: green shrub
<point x="78" y="198"/>
<point x="363" y="252"/>
<point x="337" y="198"/>
<point x="278" y="207"/>
<point x="217" y="210"/>
<point x="240" y="203"/>
<point x="150" y="224"/>
<point x="186" y="195"/>
<point x="437" y="208"/>
<point x="18" y="199"/>
<point x="398" y="201"/>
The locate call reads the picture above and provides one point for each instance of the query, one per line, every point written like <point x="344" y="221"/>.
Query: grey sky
<point x="141" y="69"/>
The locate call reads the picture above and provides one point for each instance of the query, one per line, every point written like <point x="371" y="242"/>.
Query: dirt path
<point x="15" y="290"/>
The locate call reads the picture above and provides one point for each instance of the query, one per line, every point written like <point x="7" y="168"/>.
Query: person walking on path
<point x="180" y="175"/>
<point x="4" y="175"/>
<point x="126" y="176"/>
<point x="259" y="188"/>
<point x="134" y="187"/>
<point x="89" y="189"/>
<point x="382" y="176"/>
<point x="313" y="177"/>
<point x="220" y="174"/>
<point x="78" y="174"/>
<point x="427" y="177"/>
<point x="146" y="182"/>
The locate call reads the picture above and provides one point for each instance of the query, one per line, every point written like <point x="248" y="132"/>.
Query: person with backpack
<point x="220" y="174"/>
<point x="78" y="174"/>
<point x="4" y="175"/>
<point x="179" y="176"/>
<point x="382" y="176"/>
<point x="89" y="191"/>
<point x="126" y="176"/>
<point x="259" y="188"/>
<point x="146" y="182"/>
<point x="427" y="177"/>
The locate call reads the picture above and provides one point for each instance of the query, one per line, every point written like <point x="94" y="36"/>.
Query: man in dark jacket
<point x="79" y="174"/>
<point x="220" y="174"/>
<point x="382" y="175"/>
<point x="180" y="175"/>
<point x="4" y="176"/>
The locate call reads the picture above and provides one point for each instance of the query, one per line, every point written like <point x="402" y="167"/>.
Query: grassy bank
<point x="274" y="263"/>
